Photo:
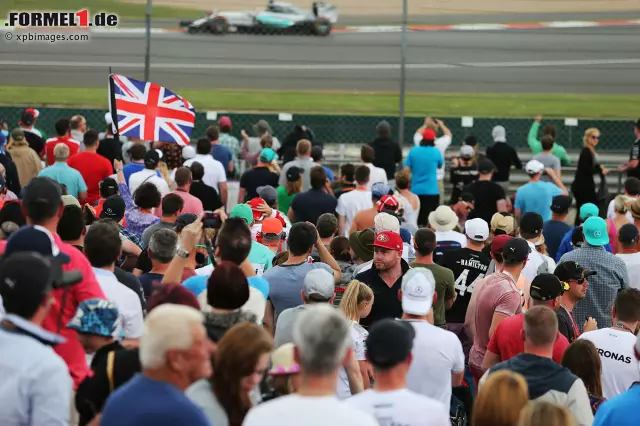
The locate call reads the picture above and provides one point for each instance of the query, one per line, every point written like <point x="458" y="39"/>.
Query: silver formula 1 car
<point x="278" y="17"/>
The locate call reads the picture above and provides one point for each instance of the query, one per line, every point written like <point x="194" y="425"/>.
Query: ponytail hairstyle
<point x="354" y="295"/>
<point x="339" y="249"/>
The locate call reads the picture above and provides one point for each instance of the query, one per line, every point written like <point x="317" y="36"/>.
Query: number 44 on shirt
<point x="461" y="283"/>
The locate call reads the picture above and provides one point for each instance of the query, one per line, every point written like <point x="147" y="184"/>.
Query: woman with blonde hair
<point x="584" y="186"/>
<point x="620" y="209"/>
<point x="545" y="413"/>
<point x="356" y="304"/>
<point x="500" y="399"/>
<point x="239" y="364"/>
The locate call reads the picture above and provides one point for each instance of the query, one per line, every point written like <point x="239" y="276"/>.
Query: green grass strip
<point x="356" y="103"/>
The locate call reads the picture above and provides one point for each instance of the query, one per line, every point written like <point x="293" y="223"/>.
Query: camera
<point x="211" y="220"/>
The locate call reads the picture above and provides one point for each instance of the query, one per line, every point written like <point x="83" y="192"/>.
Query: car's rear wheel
<point x="322" y="27"/>
<point x="219" y="26"/>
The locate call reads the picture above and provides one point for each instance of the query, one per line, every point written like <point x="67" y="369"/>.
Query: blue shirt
<point x="566" y="246"/>
<point x="198" y="284"/>
<point x="223" y="154"/>
<point x="67" y="176"/>
<point x="35" y="388"/>
<point x="424" y="162"/>
<point x="621" y="410"/>
<point x="144" y="401"/>
<point x="536" y="197"/>
<point x="553" y="231"/>
<point x="132" y="168"/>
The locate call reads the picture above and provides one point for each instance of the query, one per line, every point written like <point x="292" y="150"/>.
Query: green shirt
<point x="284" y="199"/>
<point x="536" y="146"/>
<point x="444" y="289"/>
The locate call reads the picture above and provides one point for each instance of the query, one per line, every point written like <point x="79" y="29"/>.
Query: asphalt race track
<point x="601" y="60"/>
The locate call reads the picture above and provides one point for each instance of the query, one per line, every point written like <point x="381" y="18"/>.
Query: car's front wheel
<point x="322" y="27"/>
<point x="219" y="26"/>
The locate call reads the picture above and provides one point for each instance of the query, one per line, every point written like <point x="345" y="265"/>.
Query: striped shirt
<point x="611" y="276"/>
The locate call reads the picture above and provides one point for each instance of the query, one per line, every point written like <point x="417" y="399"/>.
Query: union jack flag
<point x="148" y="111"/>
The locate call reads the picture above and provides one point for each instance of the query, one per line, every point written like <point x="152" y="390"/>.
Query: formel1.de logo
<point x="64" y="19"/>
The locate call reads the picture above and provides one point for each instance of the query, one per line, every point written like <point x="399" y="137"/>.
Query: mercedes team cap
<point x="569" y="270"/>
<point x="515" y="250"/>
<point x="477" y="229"/>
<point x="388" y="240"/>
<point x="319" y="282"/>
<point x="561" y="203"/>
<point x="547" y="287"/>
<point x="628" y="234"/>
<point x="466" y="152"/>
<point x="389" y="343"/>
<point x="588" y="210"/>
<point x="113" y="208"/>
<point x="418" y="288"/>
<point x="594" y="230"/>
<point x="534" y="167"/>
<point x="95" y="316"/>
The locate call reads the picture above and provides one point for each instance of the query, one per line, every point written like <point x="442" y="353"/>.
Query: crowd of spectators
<point x="134" y="291"/>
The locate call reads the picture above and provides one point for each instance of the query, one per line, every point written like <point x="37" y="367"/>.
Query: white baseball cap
<point x="477" y="229"/>
<point x="188" y="152"/>
<point x="386" y="222"/>
<point x="534" y="167"/>
<point x="418" y="288"/>
<point x="466" y="151"/>
<point x="319" y="282"/>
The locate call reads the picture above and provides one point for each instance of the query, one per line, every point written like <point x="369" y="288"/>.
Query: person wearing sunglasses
<point x="584" y="187"/>
<point x="575" y="277"/>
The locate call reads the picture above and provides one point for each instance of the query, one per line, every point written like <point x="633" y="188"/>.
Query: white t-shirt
<point x="296" y="410"/>
<point x="442" y="143"/>
<point x="632" y="260"/>
<point x="401" y="407"/>
<point x="453" y="236"/>
<point x="213" y="170"/>
<point x="611" y="212"/>
<point x="377" y="175"/>
<point x="350" y="203"/>
<point x="436" y="354"/>
<point x="144" y="176"/>
<point x="358" y="338"/>
<point x="127" y="301"/>
<point x="620" y="368"/>
<point x="534" y="262"/>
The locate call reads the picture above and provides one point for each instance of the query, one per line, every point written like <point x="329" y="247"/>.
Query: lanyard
<point x="576" y="330"/>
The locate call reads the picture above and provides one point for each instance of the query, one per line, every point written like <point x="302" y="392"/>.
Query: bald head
<point x="303" y="148"/>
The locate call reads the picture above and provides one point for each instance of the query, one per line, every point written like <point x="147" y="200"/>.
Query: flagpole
<point x="112" y="107"/>
<point x="147" y="53"/>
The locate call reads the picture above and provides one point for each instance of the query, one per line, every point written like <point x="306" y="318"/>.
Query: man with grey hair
<point x="64" y="174"/>
<point x="322" y="346"/>
<point x="162" y="248"/>
<point x="78" y="126"/>
<point x="174" y="353"/>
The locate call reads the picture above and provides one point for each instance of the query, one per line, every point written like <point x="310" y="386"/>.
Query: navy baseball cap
<point x="515" y="250"/>
<point x="34" y="239"/>
<point x="95" y="316"/>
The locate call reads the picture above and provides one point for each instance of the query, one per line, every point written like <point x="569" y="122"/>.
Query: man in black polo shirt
<point x="576" y="276"/>
<point x="385" y="277"/>
<point x="633" y="166"/>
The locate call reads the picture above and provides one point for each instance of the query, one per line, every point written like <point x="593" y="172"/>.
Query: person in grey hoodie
<point x="546" y="380"/>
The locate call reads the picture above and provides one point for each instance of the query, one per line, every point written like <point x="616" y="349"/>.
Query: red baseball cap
<point x="388" y="202"/>
<point x="33" y="111"/>
<point x="254" y="203"/>
<point x="224" y="121"/>
<point x="388" y="240"/>
<point x="499" y="242"/>
<point x="271" y="225"/>
<point x="428" y="135"/>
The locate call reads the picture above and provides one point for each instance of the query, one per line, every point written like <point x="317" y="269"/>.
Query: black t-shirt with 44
<point x="467" y="266"/>
<point x="635" y="155"/>
<point x="486" y="194"/>
<point x="252" y="179"/>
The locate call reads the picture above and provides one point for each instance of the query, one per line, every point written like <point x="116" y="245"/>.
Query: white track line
<point x="316" y="67"/>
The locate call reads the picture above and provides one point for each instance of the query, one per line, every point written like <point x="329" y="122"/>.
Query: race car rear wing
<point x="325" y="10"/>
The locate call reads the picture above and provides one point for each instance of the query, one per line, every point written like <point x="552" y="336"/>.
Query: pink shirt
<point x="191" y="203"/>
<point x="498" y="295"/>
